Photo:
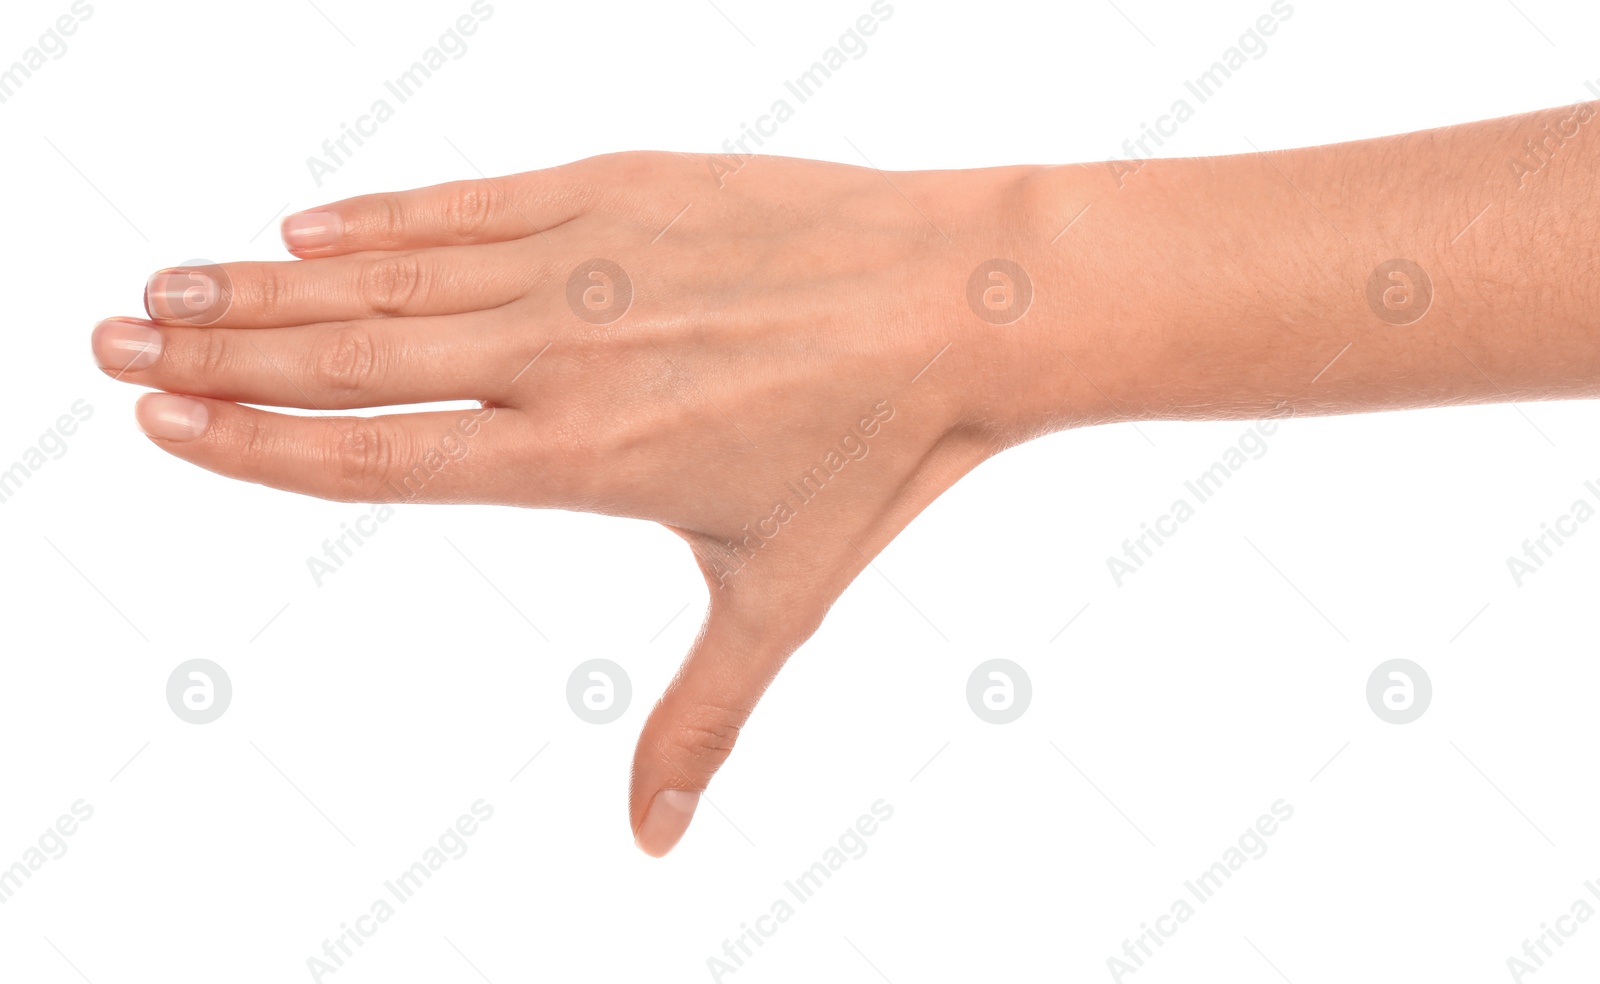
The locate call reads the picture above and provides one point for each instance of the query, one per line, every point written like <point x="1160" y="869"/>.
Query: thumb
<point x="695" y="724"/>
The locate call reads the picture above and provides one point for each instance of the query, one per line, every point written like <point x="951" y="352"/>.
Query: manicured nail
<point x="171" y="418"/>
<point x="122" y="346"/>
<point x="311" y="230"/>
<point x="182" y="295"/>
<point x="666" y="820"/>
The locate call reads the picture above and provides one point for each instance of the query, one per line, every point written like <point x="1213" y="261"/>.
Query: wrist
<point x="1081" y="352"/>
<point x="1044" y="319"/>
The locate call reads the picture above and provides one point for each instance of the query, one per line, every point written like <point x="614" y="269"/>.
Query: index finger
<point x="481" y="210"/>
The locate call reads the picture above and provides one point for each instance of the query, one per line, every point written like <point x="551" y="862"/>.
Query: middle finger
<point x="338" y="365"/>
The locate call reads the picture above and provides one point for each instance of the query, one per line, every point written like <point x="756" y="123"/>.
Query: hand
<point x="760" y="360"/>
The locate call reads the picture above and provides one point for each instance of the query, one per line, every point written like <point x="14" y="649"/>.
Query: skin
<point x="784" y="309"/>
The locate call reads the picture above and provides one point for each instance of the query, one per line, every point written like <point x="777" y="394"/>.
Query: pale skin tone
<point x="795" y="303"/>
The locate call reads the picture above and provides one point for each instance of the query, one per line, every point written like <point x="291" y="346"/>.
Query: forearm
<point x="1257" y="284"/>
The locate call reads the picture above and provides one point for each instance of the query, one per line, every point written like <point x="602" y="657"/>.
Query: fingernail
<point x="666" y="820"/>
<point x="171" y="418"/>
<point x="123" y="346"/>
<point x="311" y="230"/>
<point x="181" y="295"/>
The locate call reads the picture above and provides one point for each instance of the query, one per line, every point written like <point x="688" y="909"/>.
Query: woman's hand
<point x="780" y="360"/>
<point x="784" y="361"/>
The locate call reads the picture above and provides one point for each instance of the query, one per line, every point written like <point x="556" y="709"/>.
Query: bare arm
<point x="1441" y="267"/>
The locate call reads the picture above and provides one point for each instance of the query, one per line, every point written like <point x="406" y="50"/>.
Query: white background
<point x="370" y="712"/>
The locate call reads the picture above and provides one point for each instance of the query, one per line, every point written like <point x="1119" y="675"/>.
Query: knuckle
<point x="252" y="443"/>
<point x="707" y="734"/>
<point x="361" y="456"/>
<point x="271" y="292"/>
<point x="572" y="462"/>
<point x="347" y="364"/>
<point x="390" y="285"/>
<point x="213" y="356"/>
<point x="391" y="217"/>
<point x="468" y="209"/>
